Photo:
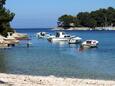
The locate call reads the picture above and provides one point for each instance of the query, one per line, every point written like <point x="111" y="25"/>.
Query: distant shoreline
<point x="58" y="28"/>
<point x="27" y="80"/>
<point x="85" y="28"/>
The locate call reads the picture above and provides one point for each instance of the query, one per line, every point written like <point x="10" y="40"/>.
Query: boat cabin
<point x="91" y="42"/>
<point x="42" y="33"/>
<point x="61" y="35"/>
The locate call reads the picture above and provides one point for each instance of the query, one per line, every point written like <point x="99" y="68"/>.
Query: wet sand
<point x="27" y="80"/>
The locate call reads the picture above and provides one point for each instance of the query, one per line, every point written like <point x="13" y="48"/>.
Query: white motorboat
<point x="18" y="36"/>
<point x="75" y="40"/>
<point x="4" y="43"/>
<point x="90" y="43"/>
<point x="42" y="35"/>
<point x="50" y="36"/>
<point x="11" y="39"/>
<point x="60" y="36"/>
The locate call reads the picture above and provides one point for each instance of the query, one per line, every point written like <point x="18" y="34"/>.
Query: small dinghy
<point x="90" y="43"/>
<point x="42" y="35"/>
<point x="75" y="40"/>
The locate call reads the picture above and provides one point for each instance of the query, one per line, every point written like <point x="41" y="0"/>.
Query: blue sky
<point x="44" y="13"/>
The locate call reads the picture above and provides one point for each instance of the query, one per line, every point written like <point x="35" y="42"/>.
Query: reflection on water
<point x="81" y="48"/>
<point x="73" y="45"/>
<point x="60" y="43"/>
<point x="3" y="61"/>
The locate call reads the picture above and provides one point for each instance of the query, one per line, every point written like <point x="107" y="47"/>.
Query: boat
<point x="61" y="36"/>
<point x="90" y="43"/>
<point x="51" y="36"/>
<point x="18" y="36"/>
<point x="42" y="35"/>
<point x="4" y="43"/>
<point x="75" y="40"/>
<point x="11" y="39"/>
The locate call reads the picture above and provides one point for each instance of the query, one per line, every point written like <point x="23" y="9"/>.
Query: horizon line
<point x="33" y="28"/>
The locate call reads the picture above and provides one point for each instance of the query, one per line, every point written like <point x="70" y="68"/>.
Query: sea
<point x="60" y="59"/>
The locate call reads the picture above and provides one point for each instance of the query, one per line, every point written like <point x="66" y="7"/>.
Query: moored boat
<point x="19" y="36"/>
<point x="61" y="36"/>
<point x="42" y="35"/>
<point x="4" y="43"/>
<point x="90" y="43"/>
<point x="11" y="39"/>
<point x="75" y="40"/>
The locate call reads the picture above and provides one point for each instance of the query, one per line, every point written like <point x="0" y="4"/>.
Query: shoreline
<point x="28" y="80"/>
<point x="86" y="28"/>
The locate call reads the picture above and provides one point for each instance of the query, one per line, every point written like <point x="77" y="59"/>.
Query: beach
<point x="27" y="80"/>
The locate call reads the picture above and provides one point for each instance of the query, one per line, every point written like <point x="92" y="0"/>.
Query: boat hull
<point x="90" y="46"/>
<point x="75" y="40"/>
<point x="59" y="39"/>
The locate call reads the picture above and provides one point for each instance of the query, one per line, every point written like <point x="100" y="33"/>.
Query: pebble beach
<point x="27" y="80"/>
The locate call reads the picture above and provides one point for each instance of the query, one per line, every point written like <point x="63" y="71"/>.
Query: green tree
<point x="5" y="18"/>
<point x="2" y="2"/>
<point x="98" y="18"/>
<point x="66" y="21"/>
<point x="111" y="16"/>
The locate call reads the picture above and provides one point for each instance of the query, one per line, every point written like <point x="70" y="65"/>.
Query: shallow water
<point x="61" y="59"/>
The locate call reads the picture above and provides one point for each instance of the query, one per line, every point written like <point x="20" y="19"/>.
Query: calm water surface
<point x="45" y="58"/>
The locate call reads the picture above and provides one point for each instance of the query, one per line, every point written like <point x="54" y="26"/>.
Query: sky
<point x="45" y="13"/>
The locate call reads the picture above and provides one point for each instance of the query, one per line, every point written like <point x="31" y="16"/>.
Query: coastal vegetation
<point x="5" y="18"/>
<point x="99" y="18"/>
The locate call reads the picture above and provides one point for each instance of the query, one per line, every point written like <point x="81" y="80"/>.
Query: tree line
<point x="5" y="18"/>
<point x="99" y="18"/>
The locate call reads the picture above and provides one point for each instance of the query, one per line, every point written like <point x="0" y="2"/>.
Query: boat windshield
<point x="67" y="36"/>
<point x="63" y="33"/>
<point x="88" y="42"/>
<point x="57" y="34"/>
<point x="43" y="33"/>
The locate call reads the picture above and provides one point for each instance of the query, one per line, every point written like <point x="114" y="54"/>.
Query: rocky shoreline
<point x="27" y="80"/>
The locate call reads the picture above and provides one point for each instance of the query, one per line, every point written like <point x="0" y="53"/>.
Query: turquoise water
<point x="45" y="58"/>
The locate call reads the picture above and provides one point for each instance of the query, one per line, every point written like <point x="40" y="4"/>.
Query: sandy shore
<point x="25" y="80"/>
